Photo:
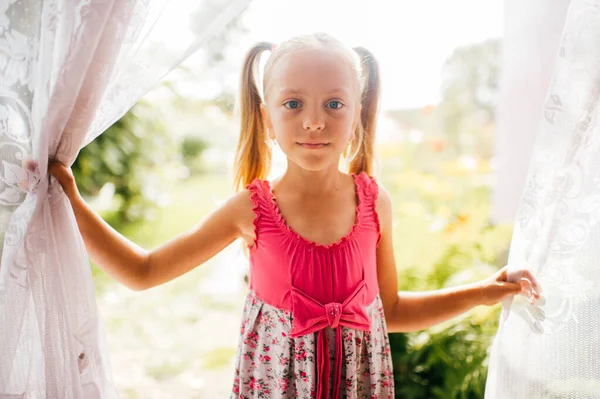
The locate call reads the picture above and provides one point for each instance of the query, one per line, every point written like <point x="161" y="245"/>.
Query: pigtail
<point x="363" y="146"/>
<point x="253" y="155"/>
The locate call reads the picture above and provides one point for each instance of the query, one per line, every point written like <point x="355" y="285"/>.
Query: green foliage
<point x="192" y="148"/>
<point x="463" y="121"/>
<point x="470" y="90"/>
<point x="448" y="362"/>
<point x="135" y="155"/>
<point x="442" y="237"/>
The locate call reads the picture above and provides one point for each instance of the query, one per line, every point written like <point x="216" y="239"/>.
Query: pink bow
<point x="310" y="316"/>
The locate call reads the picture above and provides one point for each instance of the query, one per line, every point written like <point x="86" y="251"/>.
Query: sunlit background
<point x="439" y="64"/>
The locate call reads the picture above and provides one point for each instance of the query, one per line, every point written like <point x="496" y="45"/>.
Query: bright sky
<point x="411" y="39"/>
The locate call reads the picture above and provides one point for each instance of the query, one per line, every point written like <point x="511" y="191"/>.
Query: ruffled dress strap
<point x="259" y="195"/>
<point x="263" y="205"/>
<point x="368" y="190"/>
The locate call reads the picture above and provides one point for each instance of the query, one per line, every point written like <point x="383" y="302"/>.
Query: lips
<point x="313" y="146"/>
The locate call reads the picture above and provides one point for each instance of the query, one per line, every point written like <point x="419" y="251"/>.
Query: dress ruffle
<point x="267" y="212"/>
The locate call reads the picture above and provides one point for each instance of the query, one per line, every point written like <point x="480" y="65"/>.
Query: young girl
<point x="323" y="283"/>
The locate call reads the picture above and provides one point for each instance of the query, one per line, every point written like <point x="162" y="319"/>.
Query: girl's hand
<point x="496" y="288"/>
<point x="65" y="177"/>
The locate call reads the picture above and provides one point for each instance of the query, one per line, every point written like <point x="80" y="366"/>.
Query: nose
<point x="313" y="121"/>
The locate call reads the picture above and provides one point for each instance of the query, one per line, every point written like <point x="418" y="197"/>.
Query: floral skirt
<point x="271" y="364"/>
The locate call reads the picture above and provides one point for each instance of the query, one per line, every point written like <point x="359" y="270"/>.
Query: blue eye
<point x="335" y="104"/>
<point x="292" y="104"/>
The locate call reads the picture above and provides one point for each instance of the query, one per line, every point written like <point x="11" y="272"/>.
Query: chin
<point x="315" y="165"/>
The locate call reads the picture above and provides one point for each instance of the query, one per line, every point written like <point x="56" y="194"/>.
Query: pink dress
<point x="313" y="323"/>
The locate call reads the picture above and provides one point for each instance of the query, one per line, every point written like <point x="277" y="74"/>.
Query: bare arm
<point x="413" y="311"/>
<point x="140" y="269"/>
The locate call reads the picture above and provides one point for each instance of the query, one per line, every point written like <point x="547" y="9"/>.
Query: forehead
<point x="313" y="70"/>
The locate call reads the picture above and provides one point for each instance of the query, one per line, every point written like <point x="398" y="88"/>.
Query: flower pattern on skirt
<point x="270" y="364"/>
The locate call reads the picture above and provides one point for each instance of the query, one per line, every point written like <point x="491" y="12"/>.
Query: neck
<point x="311" y="183"/>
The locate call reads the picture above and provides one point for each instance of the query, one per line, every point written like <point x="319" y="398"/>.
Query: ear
<point x="267" y="120"/>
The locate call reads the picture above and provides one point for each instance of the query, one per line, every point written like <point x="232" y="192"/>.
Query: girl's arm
<point x="413" y="311"/>
<point x="140" y="269"/>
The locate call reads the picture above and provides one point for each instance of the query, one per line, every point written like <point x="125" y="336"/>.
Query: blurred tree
<point x="134" y="155"/>
<point x="216" y="45"/>
<point x="137" y="155"/>
<point x="469" y="95"/>
<point x="449" y="360"/>
<point x="191" y="152"/>
<point x="444" y="363"/>
<point x="215" y="60"/>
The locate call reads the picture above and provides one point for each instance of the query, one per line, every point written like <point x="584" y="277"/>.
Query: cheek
<point x="284" y="118"/>
<point x="276" y="114"/>
<point x="282" y="122"/>
<point x="284" y="128"/>
<point x="344" y="125"/>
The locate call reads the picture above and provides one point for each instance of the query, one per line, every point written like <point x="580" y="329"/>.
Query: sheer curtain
<point x="552" y="349"/>
<point x="68" y="70"/>
<point x="532" y="32"/>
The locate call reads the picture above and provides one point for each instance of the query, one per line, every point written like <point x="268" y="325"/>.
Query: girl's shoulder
<point x="241" y="208"/>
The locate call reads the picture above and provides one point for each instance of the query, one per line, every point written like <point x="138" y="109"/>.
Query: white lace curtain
<point x="68" y="70"/>
<point x="552" y="350"/>
<point x="532" y="32"/>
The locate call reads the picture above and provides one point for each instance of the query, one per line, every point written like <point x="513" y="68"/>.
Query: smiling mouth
<point x="313" y="146"/>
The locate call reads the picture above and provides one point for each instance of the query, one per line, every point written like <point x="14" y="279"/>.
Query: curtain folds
<point x="68" y="70"/>
<point x="551" y="350"/>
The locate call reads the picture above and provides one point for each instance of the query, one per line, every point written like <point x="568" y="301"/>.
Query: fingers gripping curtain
<point x="68" y="70"/>
<point x="551" y="349"/>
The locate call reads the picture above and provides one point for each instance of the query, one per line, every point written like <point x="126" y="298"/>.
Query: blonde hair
<point x="253" y="156"/>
